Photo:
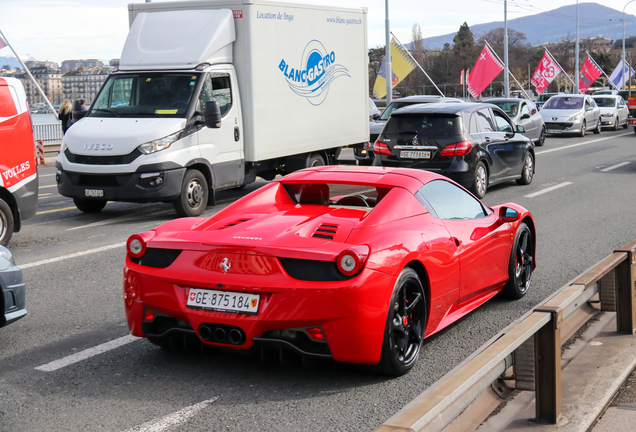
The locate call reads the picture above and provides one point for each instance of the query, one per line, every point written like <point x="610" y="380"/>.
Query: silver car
<point x="614" y="110"/>
<point x="570" y="113"/>
<point x="12" y="288"/>
<point x="523" y="113"/>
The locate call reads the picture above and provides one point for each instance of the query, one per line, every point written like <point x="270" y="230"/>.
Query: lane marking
<point x="46" y="175"/>
<point x="63" y="257"/>
<point x="117" y="220"/>
<point x="83" y="355"/>
<point x="615" y="166"/>
<point x="580" y="144"/>
<point x="56" y="210"/>
<point x="44" y="187"/>
<point x="173" y="420"/>
<point x="550" y="189"/>
<point x="40" y="195"/>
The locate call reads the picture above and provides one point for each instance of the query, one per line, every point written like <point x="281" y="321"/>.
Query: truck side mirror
<point x="77" y="111"/>
<point x="212" y="115"/>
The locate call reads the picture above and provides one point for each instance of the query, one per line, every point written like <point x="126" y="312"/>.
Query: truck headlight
<point x="576" y="117"/>
<point x="160" y="144"/>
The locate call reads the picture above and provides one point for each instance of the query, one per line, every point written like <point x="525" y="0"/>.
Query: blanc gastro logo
<point x="313" y="77"/>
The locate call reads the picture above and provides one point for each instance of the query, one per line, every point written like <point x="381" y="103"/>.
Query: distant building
<point x="84" y="83"/>
<point x="68" y="65"/>
<point x="49" y="78"/>
<point x="114" y="63"/>
<point x="630" y="49"/>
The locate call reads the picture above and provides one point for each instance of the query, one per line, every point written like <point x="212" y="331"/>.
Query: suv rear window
<point x="424" y="125"/>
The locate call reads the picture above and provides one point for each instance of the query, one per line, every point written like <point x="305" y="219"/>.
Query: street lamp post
<point x="576" y="53"/>
<point x="506" y="70"/>
<point x="387" y="58"/>
<point x="624" y="61"/>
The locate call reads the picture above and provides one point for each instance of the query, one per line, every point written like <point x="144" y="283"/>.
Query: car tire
<point x="541" y="139"/>
<point x="89" y="206"/>
<point x="597" y="130"/>
<point x="582" y="133"/>
<point x="527" y="171"/>
<point x="616" y="123"/>
<point x="194" y="195"/>
<point x="7" y="223"/>
<point x="520" y="264"/>
<point x="626" y="124"/>
<point x="480" y="180"/>
<point x="316" y="159"/>
<point x="405" y="325"/>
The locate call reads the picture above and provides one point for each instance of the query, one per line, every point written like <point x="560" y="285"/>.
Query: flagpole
<point x="387" y="58"/>
<point x="418" y="65"/>
<point x="26" y="69"/>
<point x="576" y="52"/>
<point x="511" y="74"/>
<point x="624" y="61"/>
<point x="559" y="65"/>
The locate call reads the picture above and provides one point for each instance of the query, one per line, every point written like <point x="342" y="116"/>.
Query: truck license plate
<point x="94" y="193"/>
<point x="404" y="154"/>
<point x="223" y="301"/>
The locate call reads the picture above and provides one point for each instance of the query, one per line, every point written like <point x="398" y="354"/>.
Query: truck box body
<point x="289" y="83"/>
<point x="275" y="44"/>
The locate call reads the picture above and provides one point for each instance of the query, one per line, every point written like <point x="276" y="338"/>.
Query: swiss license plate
<point x="405" y="154"/>
<point x="94" y="193"/>
<point x="223" y="301"/>
<point x="555" y="131"/>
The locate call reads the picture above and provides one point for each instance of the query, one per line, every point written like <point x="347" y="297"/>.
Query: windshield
<point x="155" y="94"/>
<point x="426" y="126"/>
<point x="564" y="103"/>
<point x="605" y="102"/>
<point x="544" y="97"/>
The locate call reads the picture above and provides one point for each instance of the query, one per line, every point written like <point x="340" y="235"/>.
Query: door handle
<point x="487" y="139"/>
<point x="237" y="134"/>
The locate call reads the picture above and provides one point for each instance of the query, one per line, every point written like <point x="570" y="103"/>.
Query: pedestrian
<point x="83" y="105"/>
<point x="65" y="115"/>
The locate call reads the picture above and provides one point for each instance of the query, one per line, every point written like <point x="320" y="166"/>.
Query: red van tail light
<point x="457" y="149"/>
<point x="381" y="148"/>
<point x="136" y="244"/>
<point x="351" y="261"/>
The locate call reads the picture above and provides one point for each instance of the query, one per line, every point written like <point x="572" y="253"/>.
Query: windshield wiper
<point x="108" y="111"/>
<point x="146" y="113"/>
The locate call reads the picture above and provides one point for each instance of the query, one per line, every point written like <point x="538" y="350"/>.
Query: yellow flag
<point x="401" y="66"/>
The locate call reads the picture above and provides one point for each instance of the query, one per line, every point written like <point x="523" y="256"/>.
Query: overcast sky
<point x="57" y="30"/>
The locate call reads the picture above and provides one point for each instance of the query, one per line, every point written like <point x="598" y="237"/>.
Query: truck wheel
<point x="316" y="159"/>
<point x="6" y="223"/>
<point x="89" y="206"/>
<point x="194" y="195"/>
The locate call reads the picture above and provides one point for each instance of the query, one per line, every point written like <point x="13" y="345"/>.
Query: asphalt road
<point x="581" y="198"/>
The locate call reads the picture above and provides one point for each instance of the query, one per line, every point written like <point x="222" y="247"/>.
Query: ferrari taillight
<point x="315" y="333"/>
<point x="381" y="148"/>
<point x="351" y="261"/>
<point x="136" y="244"/>
<point x="457" y="149"/>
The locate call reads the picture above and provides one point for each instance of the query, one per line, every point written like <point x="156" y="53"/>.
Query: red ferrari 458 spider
<point x="357" y="264"/>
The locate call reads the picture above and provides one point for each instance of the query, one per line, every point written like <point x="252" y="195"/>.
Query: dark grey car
<point x="475" y="144"/>
<point x="13" y="290"/>
<point x="524" y="113"/>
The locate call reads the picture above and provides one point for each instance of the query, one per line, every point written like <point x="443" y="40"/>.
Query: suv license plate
<point x="94" y="193"/>
<point x="415" y="154"/>
<point x="223" y="301"/>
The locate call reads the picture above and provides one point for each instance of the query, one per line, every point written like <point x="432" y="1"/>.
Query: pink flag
<point x="486" y="69"/>
<point x="2" y="43"/>
<point x="588" y="74"/>
<point x="461" y="77"/>
<point x="546" y="71"/>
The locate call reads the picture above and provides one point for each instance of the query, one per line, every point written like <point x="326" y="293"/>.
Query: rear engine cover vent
<point x="326" y="231"/>
<point x="236" y="222"/>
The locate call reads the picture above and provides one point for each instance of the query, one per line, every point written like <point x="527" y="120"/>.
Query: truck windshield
<point x="155" y="94"/>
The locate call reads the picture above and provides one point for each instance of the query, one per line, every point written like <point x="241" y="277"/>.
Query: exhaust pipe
<point x="235" y="336"/>
<point x="205" y="332"/>
<point x="219" y="334"/>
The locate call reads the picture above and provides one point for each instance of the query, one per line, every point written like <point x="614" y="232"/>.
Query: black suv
<point x="475" y="144"/>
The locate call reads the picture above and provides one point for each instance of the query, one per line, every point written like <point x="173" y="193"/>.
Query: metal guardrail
<point x="531" y="347"/>
<point x="50" y="135"/>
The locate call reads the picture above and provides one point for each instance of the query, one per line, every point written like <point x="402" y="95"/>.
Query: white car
<point x="571" y="114"/>
<point x="614" y="110"/>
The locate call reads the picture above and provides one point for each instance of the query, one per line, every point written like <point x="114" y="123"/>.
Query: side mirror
<point x="375" y="116"/>
<point x="521" y="129"/>
<point x="508" y="215"/>
<point x="525" y="116"/>
<point x="212" y="115"/>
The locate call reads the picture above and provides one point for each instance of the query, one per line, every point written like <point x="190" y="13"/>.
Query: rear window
<point x="432" y="126"/>
<point x="567" y="103"/>
<point x="333" y="194"/>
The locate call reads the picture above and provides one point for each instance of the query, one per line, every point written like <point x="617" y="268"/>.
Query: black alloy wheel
<point x="89" y="206"/>
<point x="6" y="223"/>
<point x="521" y="264"/>
<point x="598" y="127"/>
<point x="405" y="325"/>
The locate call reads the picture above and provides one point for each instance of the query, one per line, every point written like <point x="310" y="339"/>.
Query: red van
<point x="18" y="164"/>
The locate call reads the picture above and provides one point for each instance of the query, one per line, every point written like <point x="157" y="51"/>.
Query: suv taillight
<point x="380" y="148"/>
<point x="457" y="149"/>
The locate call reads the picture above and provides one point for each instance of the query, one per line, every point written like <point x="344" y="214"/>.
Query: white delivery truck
<point x="210" y="94"/>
